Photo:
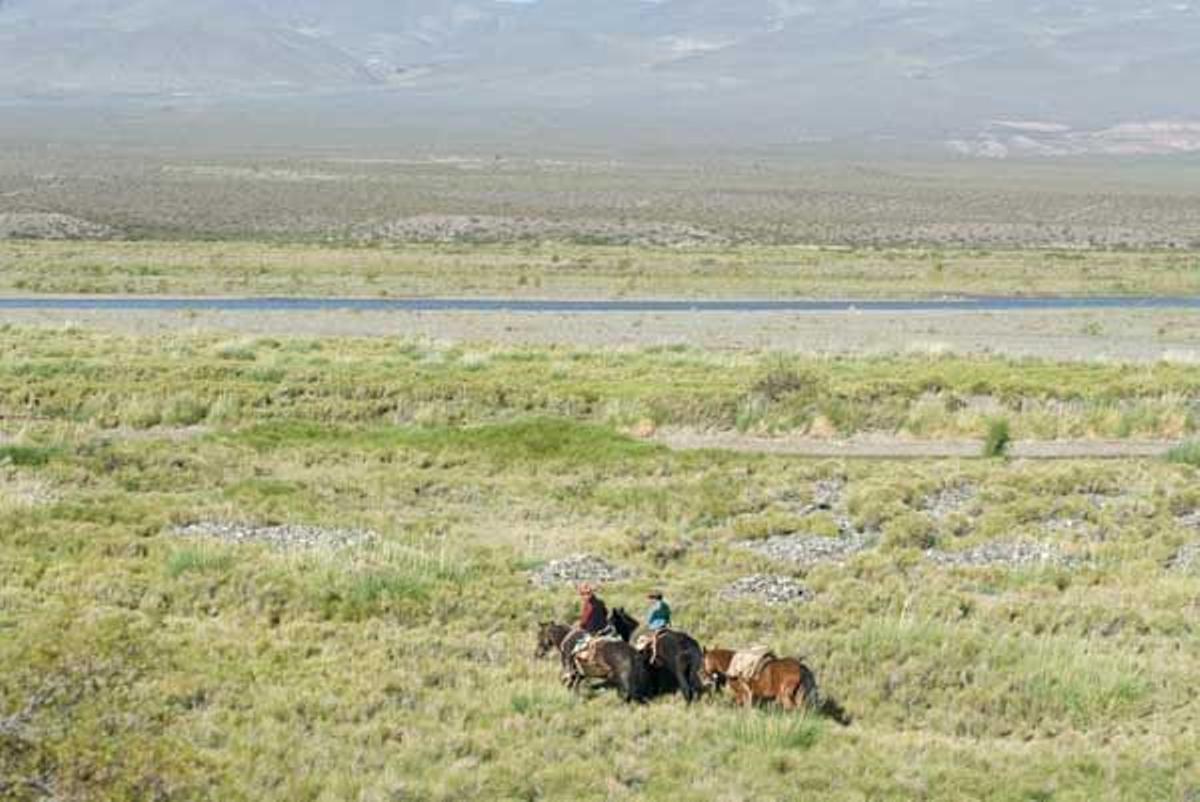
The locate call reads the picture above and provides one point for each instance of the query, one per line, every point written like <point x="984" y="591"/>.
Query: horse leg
<point x="787" y="694"/>
<point x="696" y="677"/>
<point x="679" y="671"/>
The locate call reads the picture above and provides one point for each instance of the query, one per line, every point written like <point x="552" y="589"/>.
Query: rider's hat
<point x="655" y="595"/>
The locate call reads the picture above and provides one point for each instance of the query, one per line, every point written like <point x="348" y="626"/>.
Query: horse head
<point x="622" y="623"/>
<point x="549" y="638"/>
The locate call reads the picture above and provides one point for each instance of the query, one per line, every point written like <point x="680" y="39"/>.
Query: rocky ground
<point x="431" y="228"/>
<point x="576" y="569"/>
<point x="1187" y="559"/>
<point x="23" y="491"/>
<point x="811" y="550"/>
<point x="1007" y="554"/>
<point x="286" y="536"/>
<point x="948" y="501"/>
<point x="47" y="225"/>
<point x="768" y="589"/>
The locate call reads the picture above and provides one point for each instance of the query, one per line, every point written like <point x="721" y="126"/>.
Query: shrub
<point x="782" y="380"/>
<point x="184" y="409"/>
<point x="910" y="530"/>
<point x="997" y="441"/>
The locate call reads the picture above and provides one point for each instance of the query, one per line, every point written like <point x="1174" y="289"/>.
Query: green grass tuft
<point x="777" y="731"/>
<point x="201" y="560"/>
<point x="1185" y="454"/>
<point x="26" y="456"/>
<point x="998" y="438"/>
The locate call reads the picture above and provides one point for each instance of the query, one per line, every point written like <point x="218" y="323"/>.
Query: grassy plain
<point x="573" y="270"/>
<point x="135" y="664"/>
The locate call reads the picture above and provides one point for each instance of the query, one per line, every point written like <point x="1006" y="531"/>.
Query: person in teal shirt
<point x="659" y="617"/>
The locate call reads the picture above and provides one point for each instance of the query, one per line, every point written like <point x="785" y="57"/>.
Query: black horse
<point x="676" y="663"/>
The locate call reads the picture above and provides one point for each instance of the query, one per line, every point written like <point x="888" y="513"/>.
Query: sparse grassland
<point x="182" y="380"/>
<point x="573" y="270"/>
<point x="136" y="664"/>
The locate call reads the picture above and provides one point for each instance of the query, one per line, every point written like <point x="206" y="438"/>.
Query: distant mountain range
<point x="1064" y="70"/>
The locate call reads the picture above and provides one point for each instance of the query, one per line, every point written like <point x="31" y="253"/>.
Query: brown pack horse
<point x="784" y="680"/>
<point x="716" y="666"/>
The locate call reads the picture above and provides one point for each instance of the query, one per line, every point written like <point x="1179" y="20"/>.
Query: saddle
<point x="588" y="640"/>
<point x="748" y="663"/>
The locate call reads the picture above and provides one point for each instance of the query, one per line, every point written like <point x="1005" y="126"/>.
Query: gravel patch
<point x="827" y="493"/>
<point x="1074" y="529"/>
<point x="492" y="228"/>
<point x="46" y="225"/>
<point x="1008" y="554"/>
<point x="25" y="492"/>
<point x="811" y="550"/>
<point x="1190" y="520"/>
<point x="949" y="500"/>
<point x="576" y="569"/>
<point x="1187" y="559"/>
<point x="768" y="589"/>
<point x="285" y="536"/>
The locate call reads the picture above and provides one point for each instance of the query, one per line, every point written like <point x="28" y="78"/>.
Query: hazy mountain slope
<point x="796" y="68"/>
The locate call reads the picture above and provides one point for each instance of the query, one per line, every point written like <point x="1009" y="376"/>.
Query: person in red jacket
<point x="594" y="615"/>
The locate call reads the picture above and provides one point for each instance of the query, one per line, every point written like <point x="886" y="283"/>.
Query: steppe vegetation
<point x="573" y="270"/>
<point x="400" y="192"/>
<point x="1003" y="629"/>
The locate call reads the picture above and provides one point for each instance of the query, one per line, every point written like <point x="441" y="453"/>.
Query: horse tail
<point x="806" y="692"/>
<point x="695" y="672"/>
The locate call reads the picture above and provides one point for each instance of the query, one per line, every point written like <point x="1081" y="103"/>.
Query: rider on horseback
<point x="594" y="616"/>
<point x="658" y="620"/>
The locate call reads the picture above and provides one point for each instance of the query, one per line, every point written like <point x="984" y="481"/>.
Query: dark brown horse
<point x="616" y="663"/>
<point x="550" y="637"/>
<point x="601" y="662"/>
<point x="784" y="680"/>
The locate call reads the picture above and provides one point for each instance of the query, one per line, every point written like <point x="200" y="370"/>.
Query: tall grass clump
<point x="998" y="438"/>
<point x="198" y="560"/>
<point x="1185" y="454"/>
<point x="25" y="456"/>
<point x="777" y="732"/>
